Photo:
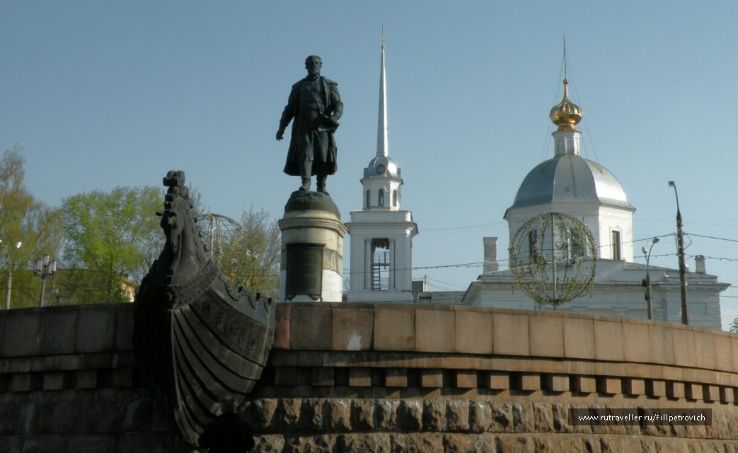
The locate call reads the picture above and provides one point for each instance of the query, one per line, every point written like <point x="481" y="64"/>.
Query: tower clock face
<point x="381" y="168"/>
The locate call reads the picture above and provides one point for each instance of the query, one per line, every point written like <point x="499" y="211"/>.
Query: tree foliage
<point x="733" y="325"/>
<point x="109" y="241"/>
<point x="250" y="256"/>
<point x="25" y="221"/>
<point x="110" y="238"/>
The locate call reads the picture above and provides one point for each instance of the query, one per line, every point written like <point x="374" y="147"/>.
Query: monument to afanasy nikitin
<point x="312" y="232"/>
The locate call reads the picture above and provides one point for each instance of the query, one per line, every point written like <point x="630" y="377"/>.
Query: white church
<point x="382" y="233"/>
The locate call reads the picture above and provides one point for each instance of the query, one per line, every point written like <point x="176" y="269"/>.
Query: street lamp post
<point x="682" y="265"/>
<point x="9" y="286"/>
<point x="44" y="268"/>
<point x="647" y="280"/>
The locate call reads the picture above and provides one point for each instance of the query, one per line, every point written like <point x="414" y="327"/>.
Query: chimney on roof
<point x="699" y="264"/>
<point x="490" y="255"/>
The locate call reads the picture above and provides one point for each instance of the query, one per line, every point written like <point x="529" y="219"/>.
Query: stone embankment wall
<point x="66" y="384"/>
<point x="363" y="377"/>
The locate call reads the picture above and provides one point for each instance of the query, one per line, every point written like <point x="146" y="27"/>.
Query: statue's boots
<point x="305" y="174"/>
<point x="321" y="184"/>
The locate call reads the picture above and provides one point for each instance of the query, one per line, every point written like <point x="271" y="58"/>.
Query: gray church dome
<point x="569" y="178"/>
<point x="382" y="166"/>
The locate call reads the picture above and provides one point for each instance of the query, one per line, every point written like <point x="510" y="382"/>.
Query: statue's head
<point x="313" y="63"/>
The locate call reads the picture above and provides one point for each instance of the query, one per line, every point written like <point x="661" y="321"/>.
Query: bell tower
<point x="381" y="232"/>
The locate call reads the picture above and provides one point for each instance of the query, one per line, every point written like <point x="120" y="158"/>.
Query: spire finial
<point x="566" y="114"/>
<point x="565" y="73"/>
<point x="382" y="142"/>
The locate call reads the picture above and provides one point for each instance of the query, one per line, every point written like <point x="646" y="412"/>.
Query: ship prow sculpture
<point x="195" y="337"/>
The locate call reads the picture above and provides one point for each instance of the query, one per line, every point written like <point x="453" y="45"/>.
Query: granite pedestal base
<point x="312" y="249"/>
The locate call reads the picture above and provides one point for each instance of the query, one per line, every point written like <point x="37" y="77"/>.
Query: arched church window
<point x="368" y="198"/>
<point x="394" y="198"/>
<point x="380" y="200"/>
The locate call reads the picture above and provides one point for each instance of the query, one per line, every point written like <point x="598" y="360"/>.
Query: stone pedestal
<point x="312" y="249"/>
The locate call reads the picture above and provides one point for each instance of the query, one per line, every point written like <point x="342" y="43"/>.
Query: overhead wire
<point x="473" y="264"/>
<point x="460" y="227"/>
<point x="710" y="237"/>
<point x="452" y="287"/>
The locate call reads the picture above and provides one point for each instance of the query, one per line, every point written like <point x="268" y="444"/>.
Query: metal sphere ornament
<point x="552" y="257"/>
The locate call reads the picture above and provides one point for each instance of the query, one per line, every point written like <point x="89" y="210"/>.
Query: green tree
<point x="28" y="230"/>
<point x="110" y="239"/>
<point x="250" y="256"/>
<point x="734" y="325"/>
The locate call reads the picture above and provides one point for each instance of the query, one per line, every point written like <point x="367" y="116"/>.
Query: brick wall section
<point x="295" y="424"/>
<point x="385" y="377"/>
<point x="65" y="384"/>
<point x="470" y="330"/>
<point x="114" y="420"/>
<point x="72" y="347"/>
<point x="406" y="350"/>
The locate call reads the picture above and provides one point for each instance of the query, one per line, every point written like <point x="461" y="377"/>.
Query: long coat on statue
<point x="315" y="105"/>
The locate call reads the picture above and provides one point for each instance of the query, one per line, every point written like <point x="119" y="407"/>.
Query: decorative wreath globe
<point x="552" y="257"/>
<point x="218" y="232"/>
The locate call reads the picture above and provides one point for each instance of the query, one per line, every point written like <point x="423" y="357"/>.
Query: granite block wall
<point x="384" y="377"/>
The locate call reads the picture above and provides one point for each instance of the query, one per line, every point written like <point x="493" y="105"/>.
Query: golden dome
<point x="566" y="114"/>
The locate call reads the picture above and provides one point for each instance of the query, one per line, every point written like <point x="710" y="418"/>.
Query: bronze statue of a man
<point x="316" y="107"/>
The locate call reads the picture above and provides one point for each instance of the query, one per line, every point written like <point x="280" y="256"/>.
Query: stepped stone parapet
<point x="383" y="377"/>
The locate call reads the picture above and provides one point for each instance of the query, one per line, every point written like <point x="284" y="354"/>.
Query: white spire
<point x="382" y="142"/>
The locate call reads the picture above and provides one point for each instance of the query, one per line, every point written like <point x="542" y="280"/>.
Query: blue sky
<point x="103" y="94"/>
